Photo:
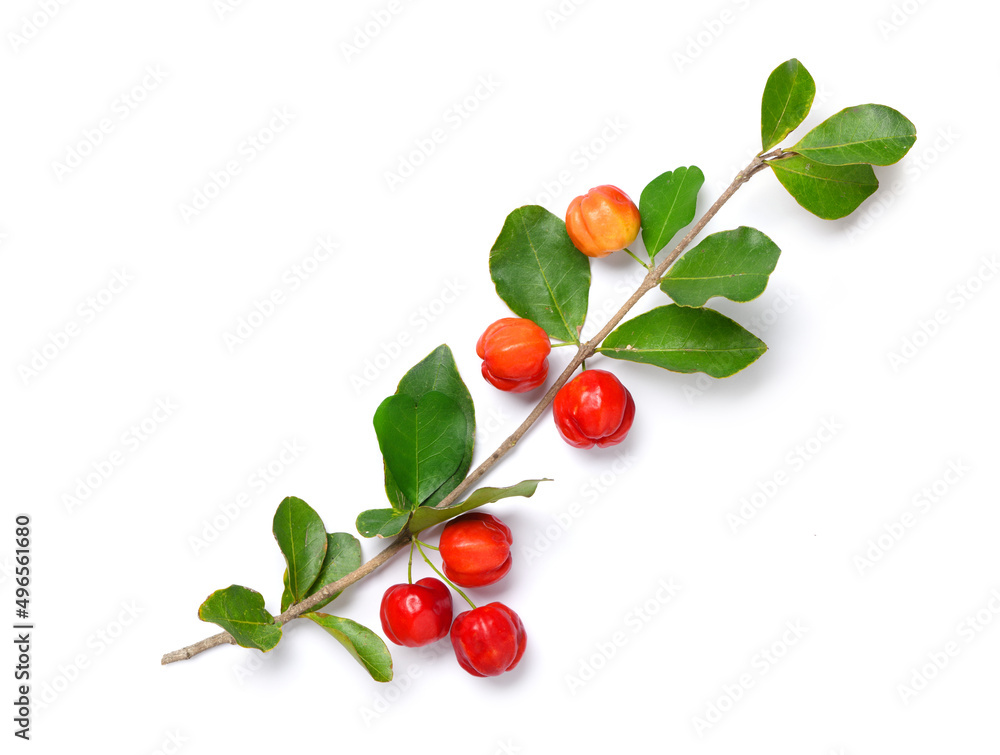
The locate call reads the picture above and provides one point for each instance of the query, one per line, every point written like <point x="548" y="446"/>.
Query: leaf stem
<point x="584" y="351"/>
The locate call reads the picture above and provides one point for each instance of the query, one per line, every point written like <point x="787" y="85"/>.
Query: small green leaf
<point x="425" y="516"/>
<point x="788" y="95"/>
<point x="438" y="372"/>
<point x="540" y="274"/>
<point x="667" y="204"/>
<point x="422" y="442"/>
<point x="240" y="611"/>
<point x="302" y="538"/>
<point x="286" y="594"/>
<point x="367" y="647"/>
<point x="343" y="555"/>
<point x="873" y="134"/>
<point x="382" y="522"/>
<point x="734" y="264"/>
<point x="685" y="339"/>
<point x="828" y="191"/>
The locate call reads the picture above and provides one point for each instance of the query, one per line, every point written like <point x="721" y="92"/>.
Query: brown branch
<point x="584" y="351"/>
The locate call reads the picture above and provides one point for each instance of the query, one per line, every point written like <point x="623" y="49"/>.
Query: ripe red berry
<point x="488" y="640"/>
<point x="602" y="221"/>
<point x="515" y="354"/>
<point x="593" y="408"/>
<point x="418" y="614"/>
<point x="475" y="549"/>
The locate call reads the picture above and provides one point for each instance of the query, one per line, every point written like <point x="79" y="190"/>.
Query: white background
<point x="118" y="576"/>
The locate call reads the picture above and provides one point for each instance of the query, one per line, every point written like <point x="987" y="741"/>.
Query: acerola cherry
<point x="488" y="640"/>
<point x="418" y="614"/>
<point x="593" y="408"/>
<point x="602" y="221"/>
<point x="515" y="354"/>
<point x="475" y="549"/>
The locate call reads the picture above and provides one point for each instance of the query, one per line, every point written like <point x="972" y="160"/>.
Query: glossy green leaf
<point x="873" y="134"/>
<point x="343" y="555"/>
<point x="667" y="204"/>
<point x="382" y="522"/>
<point x="540" y="274"/>
<point x="734" y="264"/>
<point x="286" y="593"/>
<point x="425" y="517"/>
<point x="828" y="191"/>
<point x="422" y="441"/>
<point x="788" y="96"/>
<point x="302" y="538"/>
<point x="685" y="339"/>
<point x="367" y="647"/>
<point x="438" y="372"/>
<point x="240" y="611"/>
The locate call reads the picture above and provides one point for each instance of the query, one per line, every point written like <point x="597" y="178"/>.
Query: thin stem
<point x="584" y="350"/>
<point x="437" y="571"/>
<point x="409" y="566"/>
<point x="629" y="253"/>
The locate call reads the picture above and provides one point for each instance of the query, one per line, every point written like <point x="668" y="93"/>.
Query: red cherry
<point x="475" y="549"/>
<point x="488" y="640"/>
<point x="593" y="408"/>
<point x="418" y="614"/>
<point x="515" y="354"/>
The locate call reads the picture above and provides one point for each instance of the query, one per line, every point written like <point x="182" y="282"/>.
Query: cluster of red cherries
<point x="592" y="409"/>
<point x="488" y="640"/>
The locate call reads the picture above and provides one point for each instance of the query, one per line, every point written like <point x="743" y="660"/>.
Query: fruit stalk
<point x="584" y="351"/>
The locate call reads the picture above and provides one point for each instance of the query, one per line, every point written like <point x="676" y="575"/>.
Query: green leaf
<point x="425" y="517"/>
<point x="302" y="538"/>
<point x="788" y="95"/>
<point x="367" y="647"/>
<point x="382" y="522"/>
<point x="240" y="611"/>
<point x="286" y="594"/>
<point x="540" y="274"/>
<point x="343" y="555"/>
<point x="667" y="204"/>
<point x="873" y="134"/>
<point x="685" y="339"/>
<point x="734" y="264"/>
<point x="422" y="442"/>
<point x="438" y="372"/>
<point x="828" y="191"/>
